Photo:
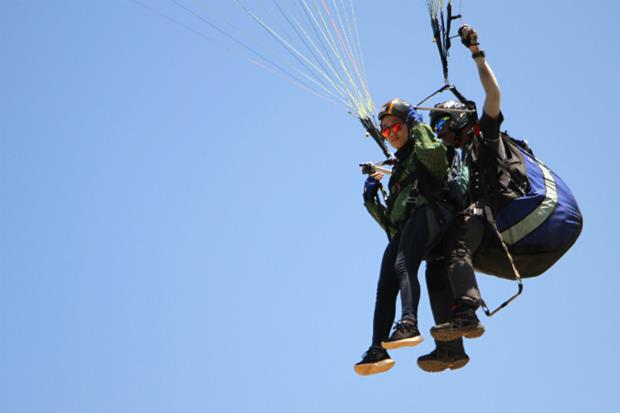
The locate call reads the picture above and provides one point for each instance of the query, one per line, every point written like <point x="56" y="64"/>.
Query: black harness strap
<point x="487" y="210"/>
<point x="491" y="220"/>
<point x="384" y="218"/>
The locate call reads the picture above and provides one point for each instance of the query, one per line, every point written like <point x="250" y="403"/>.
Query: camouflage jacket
<point x="405" y="195"/>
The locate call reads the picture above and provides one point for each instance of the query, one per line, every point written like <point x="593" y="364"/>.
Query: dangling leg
<point x="460" y="246"/>
<point x="447" y="354"/>
<point x="376" y="359"/>
<point x="411" y="250"/>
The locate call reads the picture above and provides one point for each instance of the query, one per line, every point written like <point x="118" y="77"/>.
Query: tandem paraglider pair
<point x="463" y="196"/>
<point x="468" y="198"/>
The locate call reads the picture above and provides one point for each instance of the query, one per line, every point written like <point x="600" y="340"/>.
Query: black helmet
<point x="458" y="120"/>
<point x="401" y="109"/>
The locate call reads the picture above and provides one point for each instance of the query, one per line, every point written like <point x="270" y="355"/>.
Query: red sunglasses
<point x="395" y="128"/>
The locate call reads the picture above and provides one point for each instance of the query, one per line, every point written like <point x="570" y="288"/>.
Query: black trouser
<point x="399" y="269"/>
<point x="441" y="298"/>
<point x="451" y="277"/>
<point x="460" y="244"/>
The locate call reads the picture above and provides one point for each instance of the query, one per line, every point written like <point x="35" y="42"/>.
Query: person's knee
<point x="461" y="255"/>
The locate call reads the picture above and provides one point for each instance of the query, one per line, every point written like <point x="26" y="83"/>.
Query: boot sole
<point x="374" y="368"/>
<point x="406" y="342"/>
<point x="435" y="366"/>
<point x="453" y="334"/>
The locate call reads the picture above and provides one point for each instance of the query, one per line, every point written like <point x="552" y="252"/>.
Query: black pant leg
<point x="441" y="298"/>
<point x="461" y="244"/>
<point x="439" y="290"/>
<point x="411" y="250"/>
<point x="387" y="291"/>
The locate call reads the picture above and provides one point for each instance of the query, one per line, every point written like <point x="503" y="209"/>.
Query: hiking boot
<point x="375" y="360"/>
<point x="405" y="334"/>
<point x="463" y="324"/>
<point x="443" y="358"/>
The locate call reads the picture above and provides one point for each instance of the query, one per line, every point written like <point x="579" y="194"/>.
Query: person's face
<point x="448" y="137"/>
<point x="395" y="131"/>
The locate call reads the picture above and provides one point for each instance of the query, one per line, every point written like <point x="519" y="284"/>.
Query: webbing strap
<point x="440" y="90"/>
<point x="489" y="215"/>
<point x="469" y="103"/>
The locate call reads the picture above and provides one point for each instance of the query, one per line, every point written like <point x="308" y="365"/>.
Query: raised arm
<point x="492" y="98"/>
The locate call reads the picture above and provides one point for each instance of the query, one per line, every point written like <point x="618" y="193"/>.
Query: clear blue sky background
<point x="183" y="232"/>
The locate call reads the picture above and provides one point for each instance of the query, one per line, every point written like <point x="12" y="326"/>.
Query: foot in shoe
<point x="375" y="360"/>
<point x="441" y="359"/>
<point x="405" y="334"/>
<point x="457" y="328"/>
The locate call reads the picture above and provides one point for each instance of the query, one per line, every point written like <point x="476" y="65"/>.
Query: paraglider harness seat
<point x="425" y="185"/>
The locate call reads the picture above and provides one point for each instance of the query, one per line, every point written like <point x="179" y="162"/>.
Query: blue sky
<point x="182" y="231"/>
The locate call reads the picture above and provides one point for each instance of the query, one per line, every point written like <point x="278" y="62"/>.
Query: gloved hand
<point x="413" y="118"/>
<point x="371" y="187"/>
<point x="469" y="37"/>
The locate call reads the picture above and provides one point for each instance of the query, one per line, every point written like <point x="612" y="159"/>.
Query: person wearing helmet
<point x="479" y="142"/>
<point x="415" y="216"/>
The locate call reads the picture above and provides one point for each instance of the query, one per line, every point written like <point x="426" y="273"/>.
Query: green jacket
<point x="425" y="149"/>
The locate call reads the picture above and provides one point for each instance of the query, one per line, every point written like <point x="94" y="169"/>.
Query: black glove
<point x="469" y="37"/>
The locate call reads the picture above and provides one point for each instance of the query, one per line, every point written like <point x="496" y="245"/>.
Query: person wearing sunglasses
<point x="479" y="144"/>
<point x="415" y="216"/>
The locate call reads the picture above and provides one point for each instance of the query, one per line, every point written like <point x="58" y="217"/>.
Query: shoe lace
<point x="370" y="351"/>
<point x="403" y="325"/>
<point x="397" y="326"/>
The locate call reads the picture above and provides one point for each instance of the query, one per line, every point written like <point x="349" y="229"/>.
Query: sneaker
<point x="375" y="360"/>
<point x="441" y="359"/>
<point x="406" y="334"/>
<point x="464" y="324"/>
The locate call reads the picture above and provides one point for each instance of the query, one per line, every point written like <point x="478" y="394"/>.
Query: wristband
<point x="478" y="54"/>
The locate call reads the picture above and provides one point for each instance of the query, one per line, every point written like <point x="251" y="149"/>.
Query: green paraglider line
<point x="299" y="56"/>
<point x="355" y="95"/>
<point x="245" y="46"/>
<point x="332" y="69"/>
<point x="270" y="65"/>
<point x="346" y="46"/>
<point x="302" y="35"/>
<point x="177" y="22"/>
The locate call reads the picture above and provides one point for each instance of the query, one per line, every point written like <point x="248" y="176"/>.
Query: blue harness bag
<point x="537" y="227"/>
